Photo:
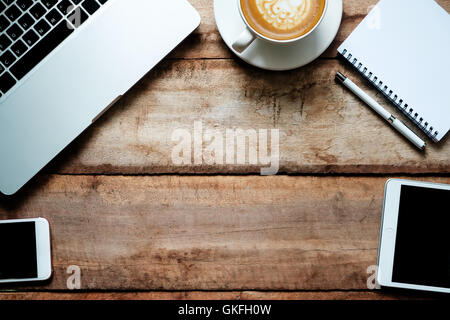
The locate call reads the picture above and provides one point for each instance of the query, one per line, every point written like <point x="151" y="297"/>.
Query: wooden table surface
<point x="141" y="227"/>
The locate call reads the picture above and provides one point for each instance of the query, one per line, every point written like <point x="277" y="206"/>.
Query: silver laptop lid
<point x="96" y="64"/>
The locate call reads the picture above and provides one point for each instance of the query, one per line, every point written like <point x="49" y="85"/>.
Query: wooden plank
<point x="208" y="233"/>
<point x="214" y="295"/>
<point x="323" y="127"/>
<point x="207" y="43"/>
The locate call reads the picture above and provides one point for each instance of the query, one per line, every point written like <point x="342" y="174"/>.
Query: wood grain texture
<point x="323" y="127"/>
<point x="222" y="295"/>
<point x="209" y="233"/>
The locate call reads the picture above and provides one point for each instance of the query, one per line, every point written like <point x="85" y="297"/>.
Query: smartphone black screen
<point x="18" y="259"/>
<point x="422" y="248"/>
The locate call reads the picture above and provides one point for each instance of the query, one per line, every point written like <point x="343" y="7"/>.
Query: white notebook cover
<point x="405" y="44"/>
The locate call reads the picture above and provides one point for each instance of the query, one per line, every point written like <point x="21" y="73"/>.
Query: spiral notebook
<point x="402" y="47"/>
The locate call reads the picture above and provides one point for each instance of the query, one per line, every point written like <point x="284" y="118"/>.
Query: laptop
<point x="63" y="63"/>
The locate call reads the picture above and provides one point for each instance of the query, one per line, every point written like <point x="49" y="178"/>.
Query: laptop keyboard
<point x="31" y="29"/>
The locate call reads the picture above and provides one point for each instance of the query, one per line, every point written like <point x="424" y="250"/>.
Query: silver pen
<point x="386" y="115"/>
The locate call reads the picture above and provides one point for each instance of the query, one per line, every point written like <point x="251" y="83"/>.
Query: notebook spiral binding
<point x="402" y="105"/>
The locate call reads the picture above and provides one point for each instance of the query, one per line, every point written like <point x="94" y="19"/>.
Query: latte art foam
<point x="284" y="14"/>
<point x="283" y="19"/>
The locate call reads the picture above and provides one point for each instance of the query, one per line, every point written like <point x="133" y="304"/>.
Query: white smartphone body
<point x="414" y="250"/>
<point x="25" y="250"/>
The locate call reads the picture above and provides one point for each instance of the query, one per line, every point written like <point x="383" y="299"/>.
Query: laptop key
<point x="49" y="3"/>
<point x="90" y="6"/>
<point x="6" y="82"/>
<point x="42" y="27"/>
<point x="2" y="68"/>
<point x="102" y="1"/>
<point x="41" y="50"/>
<point x="13" y="13"/>
<point x="4" y="23"/>
<point x="65" y="6"/>
<point x="53" y="17"/>
<point x="7" y="58"/>
<point x="24" y="4"/>
<point x="30" y="38"/>
<point x="19" y="48"/>
<point x="26" y="21"/>
<point x="4" y="42"/>
<point x="37" y="11"/>
<point x="2" y="7"/>
<point x="8" y="2"/>
<point x="14" y="32"/>
<point x="76" y="1"/>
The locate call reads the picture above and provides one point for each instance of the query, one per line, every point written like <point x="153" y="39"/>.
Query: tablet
<point x="414" y="251"/>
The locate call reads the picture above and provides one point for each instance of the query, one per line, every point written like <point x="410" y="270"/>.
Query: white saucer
<point x="268" y="56"/>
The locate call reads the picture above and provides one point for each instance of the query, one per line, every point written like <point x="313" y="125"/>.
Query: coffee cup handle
<point x="244" y="41"/>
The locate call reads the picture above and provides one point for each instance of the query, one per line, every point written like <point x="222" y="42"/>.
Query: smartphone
<point x="25" y="250"/>
<point x="414" y="251"/>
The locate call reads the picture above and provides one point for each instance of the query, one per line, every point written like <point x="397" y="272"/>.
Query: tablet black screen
<point x="18" y="251"/>
<point x="422" y="248"/>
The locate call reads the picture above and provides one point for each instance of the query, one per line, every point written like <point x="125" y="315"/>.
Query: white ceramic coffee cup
<point x="249" y="34"/>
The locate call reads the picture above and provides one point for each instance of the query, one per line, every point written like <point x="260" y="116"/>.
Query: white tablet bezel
<point x="43" y="250"/>
<point x="388" y="233"/>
